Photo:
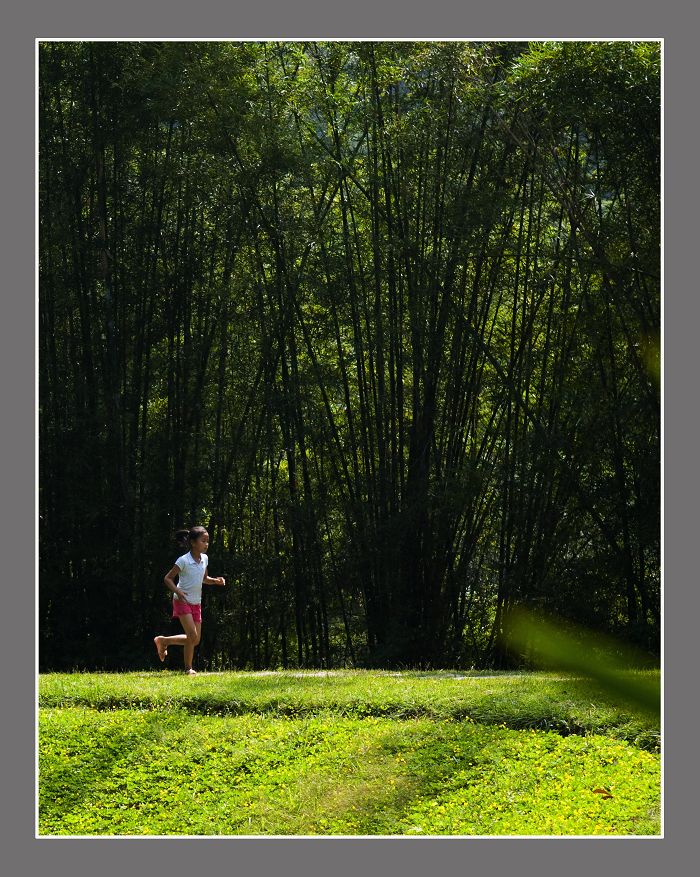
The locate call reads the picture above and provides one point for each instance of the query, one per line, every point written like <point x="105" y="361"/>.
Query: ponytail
<point x="184" y="537"/>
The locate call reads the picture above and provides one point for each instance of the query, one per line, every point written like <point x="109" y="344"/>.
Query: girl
<point x="191" y="570"/>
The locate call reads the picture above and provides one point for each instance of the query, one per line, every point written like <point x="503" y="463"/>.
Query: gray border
<point x="370" y="19"/>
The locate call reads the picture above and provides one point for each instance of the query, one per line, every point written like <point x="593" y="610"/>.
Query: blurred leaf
<point x="602" y="662"/>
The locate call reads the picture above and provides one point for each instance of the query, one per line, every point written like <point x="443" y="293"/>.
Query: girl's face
<point x="200" y="544"/>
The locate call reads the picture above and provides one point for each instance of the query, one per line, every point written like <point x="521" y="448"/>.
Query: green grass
<point x="351" y="753"/>
<point x="542" y="701"/>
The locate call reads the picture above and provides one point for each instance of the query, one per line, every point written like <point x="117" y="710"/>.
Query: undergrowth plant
<point x="342" y="754"/>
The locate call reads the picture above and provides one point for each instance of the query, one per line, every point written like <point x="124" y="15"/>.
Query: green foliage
<point x="384" y="316"/>
<point x="538" y="784"/>
<point x="167" y="771"/>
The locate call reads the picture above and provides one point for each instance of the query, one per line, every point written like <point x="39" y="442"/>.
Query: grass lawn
<point x="342" y="753"/>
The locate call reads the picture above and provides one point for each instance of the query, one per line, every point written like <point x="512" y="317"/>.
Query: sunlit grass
<point x="171" y="772"/>
<point x="545" y="701"/>
<point x="343" y="753"/>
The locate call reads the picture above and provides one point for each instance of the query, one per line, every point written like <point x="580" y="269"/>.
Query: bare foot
<point x="190" y="672"/>
<point x="162" y="651"/>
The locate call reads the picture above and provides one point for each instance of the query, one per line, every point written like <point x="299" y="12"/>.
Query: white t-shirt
<point x="191" y="575"/>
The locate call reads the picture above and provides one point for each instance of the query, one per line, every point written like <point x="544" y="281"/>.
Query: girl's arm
<point x="208" y="580"/>
<point x="169" y="580"/>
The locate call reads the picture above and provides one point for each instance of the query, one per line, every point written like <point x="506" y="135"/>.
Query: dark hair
<point x="183" y="538"/>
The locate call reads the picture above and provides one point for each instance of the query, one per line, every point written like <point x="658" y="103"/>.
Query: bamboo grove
<point x="383" y="316"/>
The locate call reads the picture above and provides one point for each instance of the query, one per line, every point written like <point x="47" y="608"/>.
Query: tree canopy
<point x="383" y="316"/>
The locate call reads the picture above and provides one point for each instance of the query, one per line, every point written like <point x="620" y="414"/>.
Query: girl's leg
<point x="189" y="639"/>
<point x="162" y="643"/>
<point x="192" y="635"/>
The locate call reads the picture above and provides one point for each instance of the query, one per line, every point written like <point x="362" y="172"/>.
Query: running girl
<point x="191" y="571"/>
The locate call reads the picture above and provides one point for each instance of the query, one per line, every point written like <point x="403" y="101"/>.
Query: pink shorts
<point x="193" y="609"/>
